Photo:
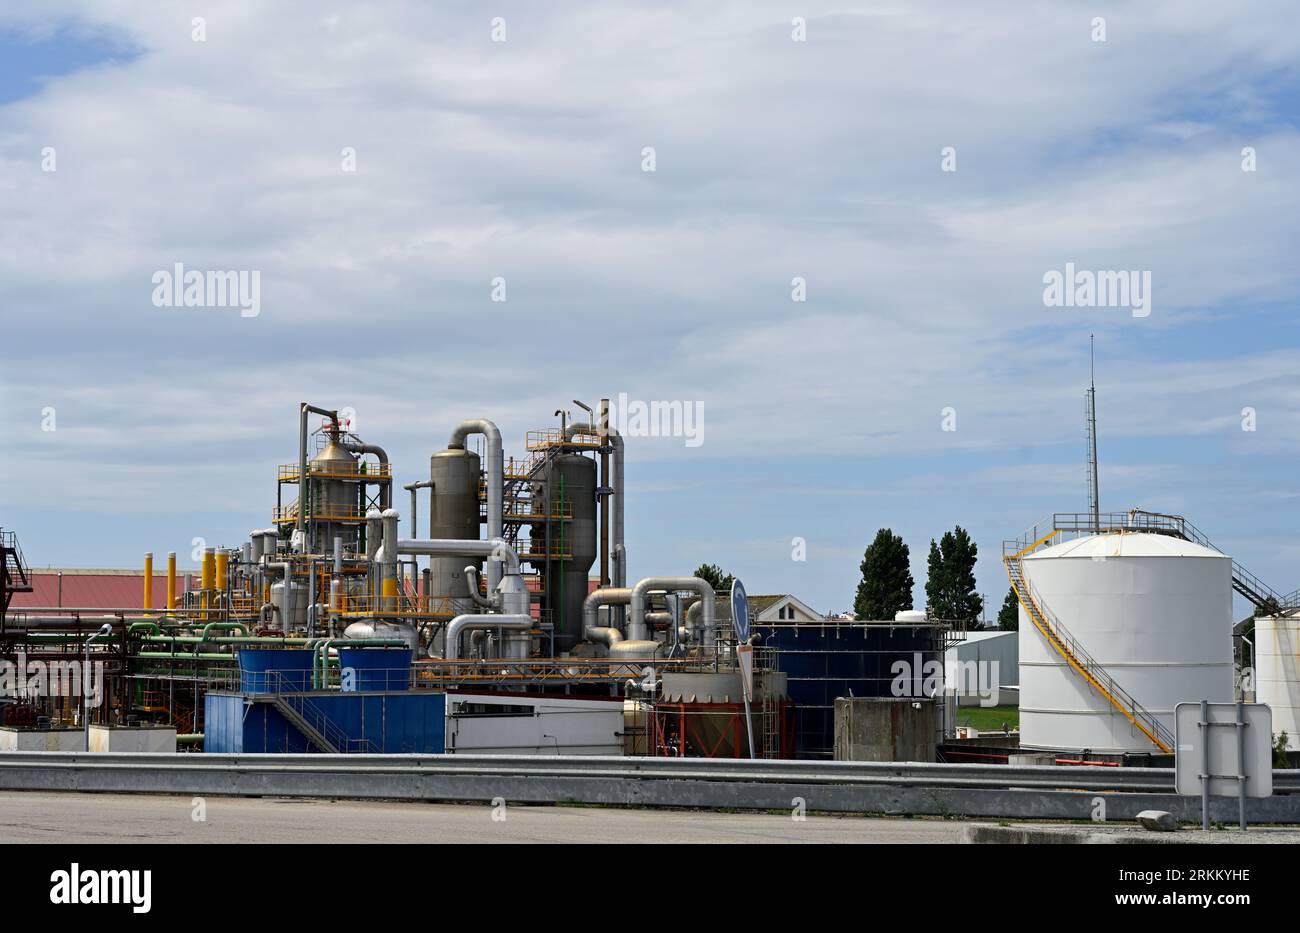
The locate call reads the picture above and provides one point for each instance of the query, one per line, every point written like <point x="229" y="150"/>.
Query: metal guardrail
<point x="1041" y="792"/>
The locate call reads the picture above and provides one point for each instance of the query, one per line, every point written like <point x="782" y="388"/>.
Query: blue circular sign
<point x="739" y="611"/>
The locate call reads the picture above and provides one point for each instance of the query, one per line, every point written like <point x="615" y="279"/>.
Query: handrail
<point x="1050" y="627"/>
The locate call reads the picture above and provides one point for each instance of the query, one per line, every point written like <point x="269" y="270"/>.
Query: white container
<point x="1154" y="610"/>
<point x="1277" y="673"/>
<point x="16" y="739"/>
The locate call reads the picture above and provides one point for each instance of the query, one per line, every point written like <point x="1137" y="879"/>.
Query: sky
<point x="911" y="171"/>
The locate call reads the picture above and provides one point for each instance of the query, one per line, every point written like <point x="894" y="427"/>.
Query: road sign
<point x="739" y="612"/>
<point x="1223" y="750"/>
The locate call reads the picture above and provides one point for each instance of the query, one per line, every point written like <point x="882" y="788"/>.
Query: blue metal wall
<point x="823" y="662"/>
<point x="394" y="723"/>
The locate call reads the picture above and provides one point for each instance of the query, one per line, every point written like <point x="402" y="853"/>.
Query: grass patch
<point x="989" y="719"/>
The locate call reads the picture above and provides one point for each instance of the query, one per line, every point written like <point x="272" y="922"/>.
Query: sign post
<point x="744" y="654"/>
<point x="1233" y="739"/>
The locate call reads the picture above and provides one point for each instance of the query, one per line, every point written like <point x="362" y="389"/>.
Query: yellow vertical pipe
<point x="208" y="575"/>
<point x="223" y="568"/>
<point x="171" y="580"/>
<point x="148" y="580"/>
<point x="390" y="594"/>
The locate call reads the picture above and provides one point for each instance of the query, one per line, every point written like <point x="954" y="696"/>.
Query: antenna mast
<point x="1091" y="422"/>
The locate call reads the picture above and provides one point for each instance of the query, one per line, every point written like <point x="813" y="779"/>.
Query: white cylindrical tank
<point x="1154" y="610"/>
<point x="1277" y="673"/>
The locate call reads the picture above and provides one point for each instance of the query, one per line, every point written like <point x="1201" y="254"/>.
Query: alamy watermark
<point x="23" y="679"/>
<point x="178" y="288"/>
<point x="924" y="679"/>
<point x="1083" y="288"/>
<point x="658" y="418"/>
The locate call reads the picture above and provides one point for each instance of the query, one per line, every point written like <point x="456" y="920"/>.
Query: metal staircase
<point x="304" y="716"/>
<point x="1074" y="654"/>
<point x="14" y="575"/>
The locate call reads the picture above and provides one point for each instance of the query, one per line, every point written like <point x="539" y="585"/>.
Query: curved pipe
<point x="303" y="409"/>
<point x="498" y="550"/>
<point x="495" y="479"/>
<point x="470" y="622"/>
<point x="609" y="596"/>
<point x="386" y="484"/>
<point x="636" y="626"/>
<point x="471" y="576"/>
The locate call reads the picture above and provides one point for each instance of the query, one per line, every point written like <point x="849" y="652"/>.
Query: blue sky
<point x="775" y="159"/>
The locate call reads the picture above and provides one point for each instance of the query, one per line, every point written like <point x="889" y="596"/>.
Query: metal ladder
<point x="1079" y="659"/>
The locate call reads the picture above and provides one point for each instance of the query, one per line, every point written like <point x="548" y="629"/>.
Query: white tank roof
<point x="1136" y="544"/>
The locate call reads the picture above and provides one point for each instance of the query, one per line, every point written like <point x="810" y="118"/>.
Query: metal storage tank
<point x="1277" y="672"/>
<point x="1154" y="610"/>
<point x="331" y="499"/>
<point x="567" y="485"/>
<point x="453" y="513"/>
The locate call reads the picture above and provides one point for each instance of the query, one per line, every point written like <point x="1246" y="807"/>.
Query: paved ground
<point x="88" y="818"/>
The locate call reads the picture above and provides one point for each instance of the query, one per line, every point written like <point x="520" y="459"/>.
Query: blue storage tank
<point x="410" y="723"/>
<point x="824" y="661"/>
<point x="272" y="670"/>
<point x="375" y="669"/>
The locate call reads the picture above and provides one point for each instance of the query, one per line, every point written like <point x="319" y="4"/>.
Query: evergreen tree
<point x="886" y="586"/>
<point x="950" y="589"/>
<point x="712" y="574"/>
<point x="1009" y="614"/>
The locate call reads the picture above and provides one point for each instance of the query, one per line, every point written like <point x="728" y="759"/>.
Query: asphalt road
<point x="118" y="818"/>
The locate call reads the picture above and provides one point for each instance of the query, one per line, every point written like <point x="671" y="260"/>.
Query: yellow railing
<point x="429" y="607"/>
<point x="550" y="437"/>
<point x="327" y="513"/>
<point x="288" y="472"/>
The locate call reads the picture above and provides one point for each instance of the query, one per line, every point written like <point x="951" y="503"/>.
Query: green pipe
<point x="224" y="625"/>
<point x="189" y="738"/>
<point x="136" y="626"/>
<point x="234" y="640"/>
<point x="185" y="657"/>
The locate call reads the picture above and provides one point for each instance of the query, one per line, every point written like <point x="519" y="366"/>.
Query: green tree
<point x="712" y="574"/>
<point x="950" y="589"/>
<point x="1009" y="614"/>
<point x="886" y="586"/>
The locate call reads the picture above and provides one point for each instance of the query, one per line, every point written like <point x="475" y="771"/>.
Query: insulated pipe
<point x="471" y="577"/>
<point x="390" y="518"/>
<point x="495" y="480"/>
<point x="148" y="580"/>
<point x="469" y="622"/>
<point x="412" y="488"/>
<point x="609" y="596"/>
<point x="636" y="626"/>
<point x="497" y="550"/>
<point x="287" y="607"/>
<point x="303" y="409"/>
<point x="171" y="580"/>
<point x="386" y="486"/>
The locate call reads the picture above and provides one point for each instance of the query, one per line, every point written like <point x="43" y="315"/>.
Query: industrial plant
<point x="509" y="626"/>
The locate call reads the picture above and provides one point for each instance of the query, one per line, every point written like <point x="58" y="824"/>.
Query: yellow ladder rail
<point x="1084" y="667"/>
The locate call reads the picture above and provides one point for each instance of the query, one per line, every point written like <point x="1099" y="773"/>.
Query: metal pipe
<point x="148" y="580"/>
<point x="636" y="626"/>
<point x="385" y="485"/>
<point x="388" y="561"/>
<point x="483" y="602"/>
<point x="472" y="621"/>
<point x="495" y="480"/>
<point x="497" y="550"/>
<point x="609" y="596"/>
<point x="413" y="488"/>
<point x="303" y="409"/>
<point x="171" y="580"/>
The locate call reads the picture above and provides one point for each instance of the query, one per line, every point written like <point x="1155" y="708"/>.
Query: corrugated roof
<point x="94" y="590"/>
